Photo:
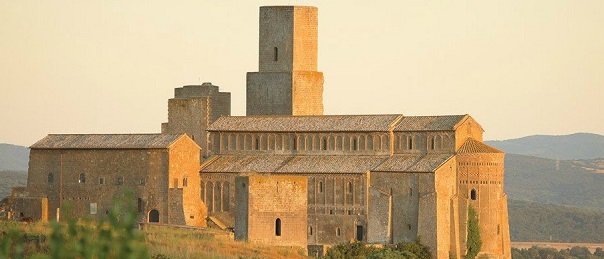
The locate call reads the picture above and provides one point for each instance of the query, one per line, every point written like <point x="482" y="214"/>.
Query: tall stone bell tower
<point x="287" y="82"/>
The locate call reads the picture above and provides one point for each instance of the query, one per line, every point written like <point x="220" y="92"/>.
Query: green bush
<point x="116" y="237"/>
<point x="411" y="250"/>
<point x="474" y="243"/>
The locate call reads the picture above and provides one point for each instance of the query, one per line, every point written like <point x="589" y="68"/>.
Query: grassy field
<point x="168" y="242"/>
<point x="161" y="242"/>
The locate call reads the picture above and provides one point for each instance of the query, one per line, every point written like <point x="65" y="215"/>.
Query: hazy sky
<point x="518" y="67"/>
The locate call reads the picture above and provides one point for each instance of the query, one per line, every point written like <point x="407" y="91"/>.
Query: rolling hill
<point x="564" y="147"/>
<point x="13" y="157"/>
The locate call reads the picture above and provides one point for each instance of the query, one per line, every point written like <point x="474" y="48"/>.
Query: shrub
<point x="474" y="243"/>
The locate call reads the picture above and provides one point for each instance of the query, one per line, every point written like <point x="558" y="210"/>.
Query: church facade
<point x="286" y="174"/>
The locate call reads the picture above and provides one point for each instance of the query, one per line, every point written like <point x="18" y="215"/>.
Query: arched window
<point x="320" y="186"/>
<point x="275" y="54"/>
<point x="256" y="144"/>
<point x="432" y="143"/>
<point x="82" y="178"/>
<point x="338" y="232"/>
<point x="310" y="230"/>
<point x="410" y="143"/>
<point x="185" y="182"/>
<point x="278" y="227"/>
<point x="473" y="194"/>
<point x="324" y="144"/>
<point x="51" y="178"/>
<point x="354" y="144"/>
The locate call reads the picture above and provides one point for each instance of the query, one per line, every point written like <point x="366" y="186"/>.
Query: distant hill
<point x="565" y="147"/>
<point x="530" y="221"/>
<point x="13" y="158"/>
<point x="571" y="183"/>
<point x="10" y="179"/>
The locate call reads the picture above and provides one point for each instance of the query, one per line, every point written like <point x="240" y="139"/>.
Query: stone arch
<point x="226" y="189"/>
<point x="315" y="142"/>
<point x="232" y="142"/>
<point x="210" y="196"/>
<point x="153" y="216"/>
<point x="247" y="142"/>
<point x="279" y="142"/>
<point x="307" y="142"/>
<point x="362" y="142"/>
<point x="370" y="142"/>
<point x="217" y="196"/>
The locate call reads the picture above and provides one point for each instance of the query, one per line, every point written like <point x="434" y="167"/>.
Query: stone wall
<point x="276" y="209"/>
<point x="193" y="109"/>
<point x="87" y="181"/>
<point x="480" y="179"/>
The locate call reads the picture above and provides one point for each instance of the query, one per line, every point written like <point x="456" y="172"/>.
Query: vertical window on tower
<point x="324" y="144"/>
<point x="256" y="144"/>
<point x="294" y="143"/>
<point x="354" y="144"/>
<point x="275" y="54"/>
<point x="473" y="194"/>
<point x="278" y="227"/>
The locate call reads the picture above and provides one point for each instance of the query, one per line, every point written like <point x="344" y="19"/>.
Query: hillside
<point x="530" y="221"/>
<point x="550" y="181"/>
<point x="10" y="179"/>
<point x="13" y="158"/>
<point x="565" y="147"/>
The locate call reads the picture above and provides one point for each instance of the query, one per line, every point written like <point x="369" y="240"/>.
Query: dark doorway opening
<point x="154" y="216"/>
<point x="359" y="233"/>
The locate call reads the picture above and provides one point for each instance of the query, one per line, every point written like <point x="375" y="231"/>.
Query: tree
<point x="474" y="243"/>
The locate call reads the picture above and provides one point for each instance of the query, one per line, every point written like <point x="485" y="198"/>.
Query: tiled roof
<point x="331" y="164"/>
<point x="413" y="163"/>
<point x="323" y="123"/>
<point x="428" y="123"/>
<point x="106" y="141"/>
<point x="323" y="163"/>
<point x="475" y="146"/>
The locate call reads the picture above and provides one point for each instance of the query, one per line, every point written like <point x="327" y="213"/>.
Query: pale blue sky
<point x="518" y="67"/>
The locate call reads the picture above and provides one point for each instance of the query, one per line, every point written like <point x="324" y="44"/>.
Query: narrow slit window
<point x="338" y="232"/>
<point x="473" y="194"/>
<point x="294" y="144"/>
<point x="410" y="143"/>
<point x="349" y="187"/>
<point x="276" y="54"/>
<point x="432" y="144"/>
<point x="324" y="144"/>
<point x="278" y="227"/>
<point x="354" y="144"/>
<point x="184" y="182"/>
<point x="256" y="144"/>
<point x="82" y="178"/>
<point x="320" y="187"/>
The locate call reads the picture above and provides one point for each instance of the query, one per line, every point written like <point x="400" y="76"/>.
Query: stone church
<point x="286" y="174"/>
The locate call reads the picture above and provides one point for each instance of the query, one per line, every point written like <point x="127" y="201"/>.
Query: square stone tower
<point x="287" y="82"/>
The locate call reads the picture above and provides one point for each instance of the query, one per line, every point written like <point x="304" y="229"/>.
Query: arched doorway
<point x="154" y="216"/>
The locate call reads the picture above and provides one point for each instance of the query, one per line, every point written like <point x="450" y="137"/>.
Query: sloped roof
<point x="323" y="123"/>
<point x="413" y="163"/>
<point x="106" y="141"/>
<point x="429" y="123"/>
<point x="475" y="146"/>
<point x="323" y="163"/>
